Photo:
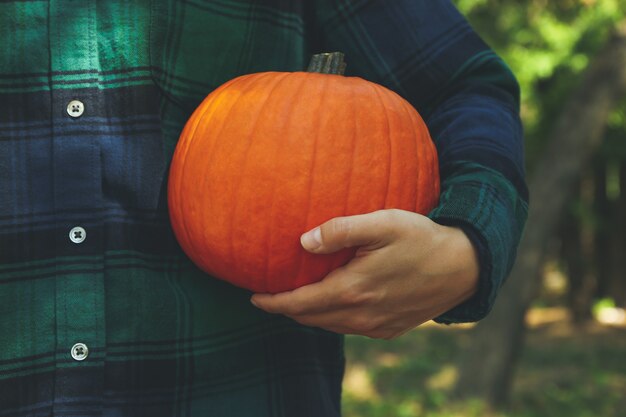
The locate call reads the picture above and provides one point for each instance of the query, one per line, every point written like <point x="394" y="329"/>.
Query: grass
<point x="565" y="371"/>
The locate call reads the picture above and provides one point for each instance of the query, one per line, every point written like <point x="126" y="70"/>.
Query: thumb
<point x="372" y="229"/>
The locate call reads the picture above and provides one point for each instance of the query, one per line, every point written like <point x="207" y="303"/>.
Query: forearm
<point x="479" y="137"/>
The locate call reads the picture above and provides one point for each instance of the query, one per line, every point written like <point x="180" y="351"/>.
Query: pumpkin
<point x="269" y="156"/>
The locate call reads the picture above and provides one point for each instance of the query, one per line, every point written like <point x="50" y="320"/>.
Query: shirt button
<point x="80" y="351"/>
<point x="78" y="234"/>
<point x="75" y="108"/>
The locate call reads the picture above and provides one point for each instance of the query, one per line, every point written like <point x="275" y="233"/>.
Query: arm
<point x="427" y="52"/>
<point x="479" y="135"/>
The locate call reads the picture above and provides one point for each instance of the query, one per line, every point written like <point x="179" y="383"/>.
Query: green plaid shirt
<point x="100" y="312"/>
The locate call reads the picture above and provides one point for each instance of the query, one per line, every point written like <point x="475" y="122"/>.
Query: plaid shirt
<point x="100" y="312"/>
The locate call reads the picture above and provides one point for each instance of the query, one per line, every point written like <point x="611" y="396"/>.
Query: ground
<point x="565" y="371"/>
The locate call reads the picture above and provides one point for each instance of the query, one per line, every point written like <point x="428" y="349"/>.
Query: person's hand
<point x="407" y="270"/>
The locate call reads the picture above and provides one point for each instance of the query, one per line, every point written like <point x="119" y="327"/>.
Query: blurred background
<point x="555" y="343"/>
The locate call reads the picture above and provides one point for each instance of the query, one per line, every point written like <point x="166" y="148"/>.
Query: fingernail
<point x="254" y="303"/>
<point x="312" y="239"/>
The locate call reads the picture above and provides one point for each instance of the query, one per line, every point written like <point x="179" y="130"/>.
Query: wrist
<point x="477" y="306"/>
<point x="464" y="265"/>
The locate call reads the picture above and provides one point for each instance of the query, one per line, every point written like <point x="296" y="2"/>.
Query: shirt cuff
<point x="488" y="208"/>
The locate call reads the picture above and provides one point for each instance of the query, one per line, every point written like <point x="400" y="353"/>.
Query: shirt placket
<point x="78" y="205"/>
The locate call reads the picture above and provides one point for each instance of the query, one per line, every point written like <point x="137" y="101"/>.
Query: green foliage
<point x="603" y="303"/>
<point x="547" y="44"/>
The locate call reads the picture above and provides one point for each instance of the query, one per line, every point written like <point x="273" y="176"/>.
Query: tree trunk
<point x="603" y="210"/>
<point x="617" y="246"/>
<point x="579" y="249"/>
<point x="487" y="368"/>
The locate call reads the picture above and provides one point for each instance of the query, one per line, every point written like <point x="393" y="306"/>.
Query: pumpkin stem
<point x="327" y="63"/>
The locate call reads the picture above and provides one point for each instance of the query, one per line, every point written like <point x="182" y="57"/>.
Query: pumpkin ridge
<point x="269" y="245"/>
<point x="216" y="133"/>
<point x="389" y="142"/>
<point x="350" y="184"/>
<point x="416" y="143"/>
<point x="350" y="102"/>
<point x="256" y="281"/>
<point x="300" y="277"/>
<point x="182" y="161"/>
<point x="424" y="149"/>
<point x="417" y="204"/>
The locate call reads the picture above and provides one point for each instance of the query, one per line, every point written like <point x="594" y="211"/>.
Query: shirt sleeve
<point x="427" y="52"/>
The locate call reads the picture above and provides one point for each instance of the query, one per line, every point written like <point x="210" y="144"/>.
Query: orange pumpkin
<point x="268" y="156"/>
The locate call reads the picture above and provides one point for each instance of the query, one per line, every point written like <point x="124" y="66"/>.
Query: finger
<point x="347" y="321"/>
<point x="344" y="322"/>
<point x="309" y="299"/>
<point x="371" y="229"/>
